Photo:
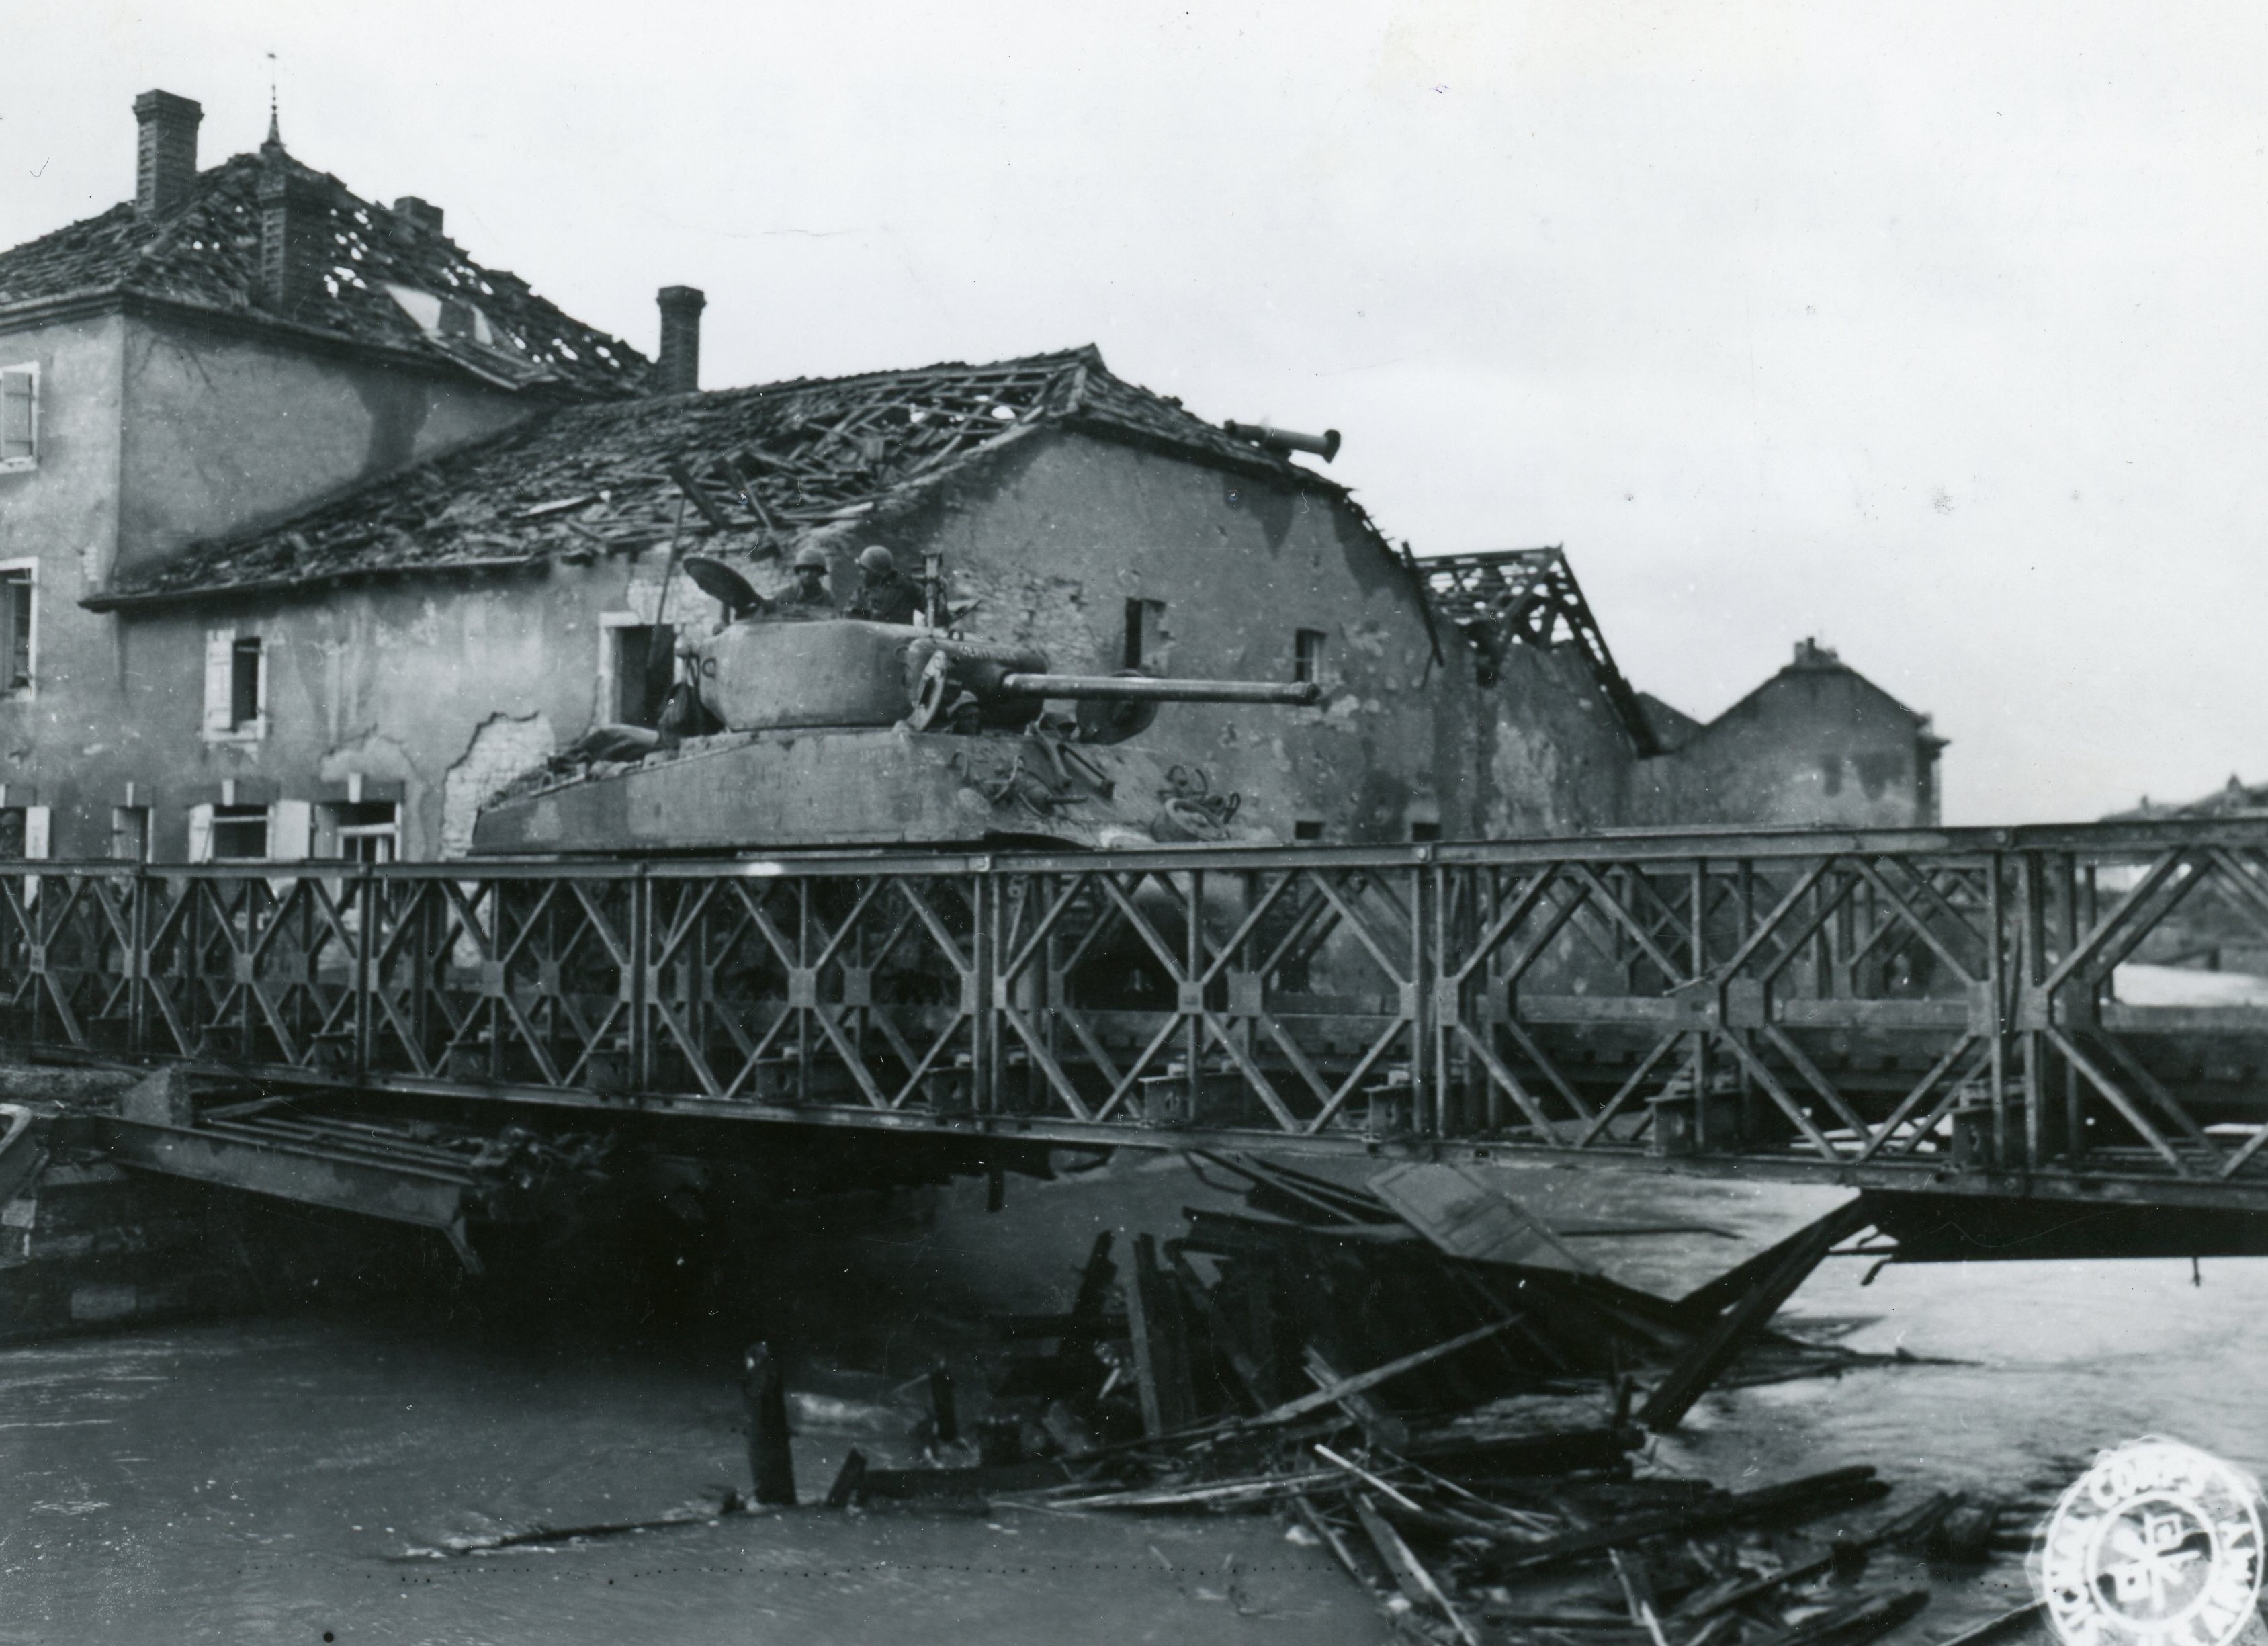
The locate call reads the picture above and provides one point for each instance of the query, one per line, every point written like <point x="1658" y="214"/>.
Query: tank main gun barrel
<point x="1147" y="689"/>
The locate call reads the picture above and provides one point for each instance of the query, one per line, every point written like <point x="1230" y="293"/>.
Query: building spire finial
<point x="274" y="143"/>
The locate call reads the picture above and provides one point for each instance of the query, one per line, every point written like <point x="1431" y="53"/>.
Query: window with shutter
<point x="129" y="833"/>
<point x="290" y="831"/>
<point x="236" y="687"/>
<point x="219" y="646"/>
<point x="20" y="416"/>
<point x="239" y="834"/>
<point x="18" y="581"/>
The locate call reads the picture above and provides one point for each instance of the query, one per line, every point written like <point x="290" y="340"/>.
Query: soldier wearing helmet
<point x="883" y="596"/>
<point x="810" y="596"/>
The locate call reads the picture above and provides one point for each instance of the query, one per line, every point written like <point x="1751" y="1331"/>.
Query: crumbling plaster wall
<point x="63" y="513"/>
<point x="1058" y="533"/>
<point x="436" y="684"/>
<point x="227" y="430"/>
<point x="1818" y="747"/>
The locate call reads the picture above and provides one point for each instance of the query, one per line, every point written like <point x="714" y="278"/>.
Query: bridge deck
<point x="2002" y="1012"/>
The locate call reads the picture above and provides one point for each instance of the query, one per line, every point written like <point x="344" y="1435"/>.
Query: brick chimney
<point x="423" y="213"/>
<point x="294" y="220"/>
<point x="165" y="158"/>
<point x="677" y="368"/>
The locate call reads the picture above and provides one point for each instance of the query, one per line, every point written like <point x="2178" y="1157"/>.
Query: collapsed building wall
<point x="1817" y="744"/>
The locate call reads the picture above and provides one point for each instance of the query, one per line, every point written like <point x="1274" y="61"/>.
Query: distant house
<point x="2216" y="926"/>
<point x="2236" y="798"/>
<point x="1817" y="744"/>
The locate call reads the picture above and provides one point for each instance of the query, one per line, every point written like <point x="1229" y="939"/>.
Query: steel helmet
<point x="874" y="557"/>
<point x="811" y="555"/>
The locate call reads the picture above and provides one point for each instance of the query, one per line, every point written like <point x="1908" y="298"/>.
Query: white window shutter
<point x="291" y="830"/>
<point x="201" y="834"/>
<point x="36" y="825"/>
<point x="219" y="644"/>
<point x="20" y="415"/>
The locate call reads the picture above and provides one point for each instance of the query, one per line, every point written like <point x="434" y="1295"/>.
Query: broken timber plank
<point x="1363" y="1381"/>
<point x="1706" y="1301"/>
<point x="1161" y="1359"/>
<point x="1859" y="1621"/>
<point x="1410" y="1573"/>
<point x="1087" y="1323"/>
<point x="1379" y="1426"/>
<point x="1220" y="1329"/>
<point x="1713" y="1350"/>
<point x="1811" y="1494"/>
<point x="699" y="494"/>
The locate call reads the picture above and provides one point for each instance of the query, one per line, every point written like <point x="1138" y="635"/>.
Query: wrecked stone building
<point x="223" y="351"/>
<point x="313" y="533"/>
<point x="1817" y="744"/>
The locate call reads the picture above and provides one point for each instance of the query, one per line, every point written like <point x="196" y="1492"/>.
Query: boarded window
<point x="1308" y="654"/>
<point x="20" y="416"/>
<point x="129" y="833"/>
<point x="23" y="832"/>
<point x="16" y="629"/>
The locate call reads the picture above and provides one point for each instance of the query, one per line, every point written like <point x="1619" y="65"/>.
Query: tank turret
<point x="843" y="732"/>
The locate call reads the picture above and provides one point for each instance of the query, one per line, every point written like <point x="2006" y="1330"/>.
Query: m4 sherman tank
<point x="844" y="732"/>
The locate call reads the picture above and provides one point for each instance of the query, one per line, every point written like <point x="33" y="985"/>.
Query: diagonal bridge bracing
<point x="1954" y="1011"/>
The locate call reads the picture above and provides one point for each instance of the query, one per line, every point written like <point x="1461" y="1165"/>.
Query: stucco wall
<point x="1810" y="746"/>
<point x="63" y="514"/>
<point x="226" y="432"/>
<point x="445" y="687"/>
<point x="1060" y="531"/>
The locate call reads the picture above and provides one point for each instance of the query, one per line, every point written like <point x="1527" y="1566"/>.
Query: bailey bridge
<point x="2008" y="1022"/>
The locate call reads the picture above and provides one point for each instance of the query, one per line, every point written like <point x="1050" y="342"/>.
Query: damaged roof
<point x="779" y="462"/>
<point x="387" y="280"/>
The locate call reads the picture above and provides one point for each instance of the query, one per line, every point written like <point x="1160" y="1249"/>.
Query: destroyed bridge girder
<point x="1980" y="1012"/>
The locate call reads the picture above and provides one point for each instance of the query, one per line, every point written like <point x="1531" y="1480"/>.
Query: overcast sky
<point x="1938" y="332"/>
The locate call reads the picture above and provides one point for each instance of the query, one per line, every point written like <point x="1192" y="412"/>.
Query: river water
<point x="290" y="1478"/>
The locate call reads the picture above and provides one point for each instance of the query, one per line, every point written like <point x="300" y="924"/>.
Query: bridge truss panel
<point x="1987" y="1009"/>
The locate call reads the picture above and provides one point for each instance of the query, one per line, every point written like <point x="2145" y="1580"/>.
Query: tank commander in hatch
<point x="810" y="596"/>
<point x="883" y="596"/>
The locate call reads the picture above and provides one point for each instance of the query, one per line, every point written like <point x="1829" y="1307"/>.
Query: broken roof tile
<point x="385" y="280"/>
<point x="810" y="454"/>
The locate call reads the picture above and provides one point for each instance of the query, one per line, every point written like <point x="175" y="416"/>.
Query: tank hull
<point x="812" y="790"/>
